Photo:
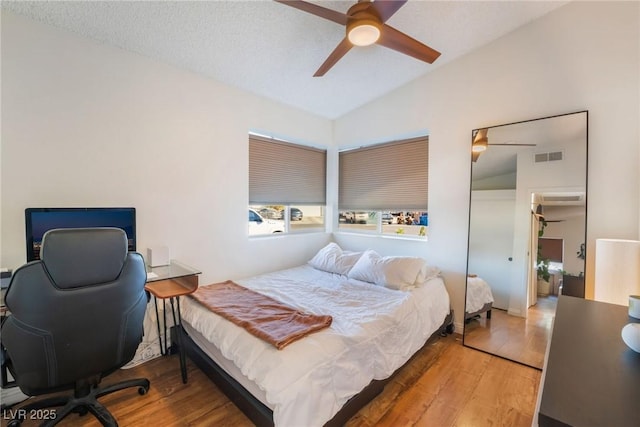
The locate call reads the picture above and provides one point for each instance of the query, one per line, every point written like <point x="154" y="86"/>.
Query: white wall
<point x="585" y="55"/>
<point x="84" y="124"/>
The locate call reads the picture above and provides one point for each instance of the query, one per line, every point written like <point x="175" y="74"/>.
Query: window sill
<point x="384" y="236"/>
<point x="295" y="233"/>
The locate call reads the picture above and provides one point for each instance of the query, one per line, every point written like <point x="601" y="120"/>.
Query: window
<point x="401" y="224"/>
<point x="270" y="219"/>
<point x="551" y="249"/>
<point x="287" y="187"/>
<point x="383" y="189"/>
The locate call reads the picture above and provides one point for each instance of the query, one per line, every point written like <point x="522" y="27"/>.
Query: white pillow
<point x="333" y="259"/>
<point x="365" y="269"/>
<point x="394" y="272"/>
<point x="427" y="272"/>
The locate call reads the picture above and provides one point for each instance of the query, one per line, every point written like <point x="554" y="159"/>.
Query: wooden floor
<point x="516" y="338"/>
<point x="446" y="384"/>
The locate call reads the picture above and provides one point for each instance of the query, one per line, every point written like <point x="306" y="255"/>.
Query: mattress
<point x="227" y="365"/>
<point x="375" y="330"/>
<point x="478" y="294"/>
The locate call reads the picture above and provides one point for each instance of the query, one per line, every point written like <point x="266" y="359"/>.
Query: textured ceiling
<point x="273" y="50"/>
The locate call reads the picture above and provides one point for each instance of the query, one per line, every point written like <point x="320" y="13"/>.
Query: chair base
<point x="81" y="402"/>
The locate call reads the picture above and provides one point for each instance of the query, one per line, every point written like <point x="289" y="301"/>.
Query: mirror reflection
<point x="527" y="232"/>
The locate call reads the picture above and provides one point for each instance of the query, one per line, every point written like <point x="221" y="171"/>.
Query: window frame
<point x="270" y="187"/>
<point x="384" y="200"/>
<point x="379" y="230"/>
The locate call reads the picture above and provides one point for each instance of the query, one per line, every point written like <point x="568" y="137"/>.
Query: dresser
<point x="573" y="286"/>
<point x="590" y="378"/>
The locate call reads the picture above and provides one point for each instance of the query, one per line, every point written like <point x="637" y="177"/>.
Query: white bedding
<point x="478" y="294"/>
<point x="375" y="330"/>
<point x="149" y="348"/>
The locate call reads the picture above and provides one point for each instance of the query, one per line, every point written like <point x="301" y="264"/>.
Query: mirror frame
<point x="586" y="186"/>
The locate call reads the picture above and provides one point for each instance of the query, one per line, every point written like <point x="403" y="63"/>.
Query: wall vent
<point x="552" y="156"/>
<point x="563" y="198"/>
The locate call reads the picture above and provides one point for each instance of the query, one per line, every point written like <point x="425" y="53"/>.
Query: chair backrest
<point x="78" y="312"/>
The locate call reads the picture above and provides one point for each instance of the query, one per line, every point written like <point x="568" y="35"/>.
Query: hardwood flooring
<point x="515" y="338"/>
<point x="445" y="384"/>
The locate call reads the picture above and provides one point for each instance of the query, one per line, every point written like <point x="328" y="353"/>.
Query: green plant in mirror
<point x="543" y="225"/>
<point x="543" y="270"/>
<point x="542" y="263"/>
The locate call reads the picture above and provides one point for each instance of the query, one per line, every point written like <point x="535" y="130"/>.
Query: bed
<point x="479" y="298"/>
<point x="384" y="310"/>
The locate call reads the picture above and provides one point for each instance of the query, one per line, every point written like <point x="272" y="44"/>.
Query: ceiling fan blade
<point x="516" y="145"/>
<point x="314" y="9"/>
<point x="386" y="8"/>
<point x="480" y="134"/>
<point x="396" y="40"/>
<point x="334" y="57"/>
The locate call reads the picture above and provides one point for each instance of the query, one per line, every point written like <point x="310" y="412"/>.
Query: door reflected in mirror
<point x="527" y="232"/>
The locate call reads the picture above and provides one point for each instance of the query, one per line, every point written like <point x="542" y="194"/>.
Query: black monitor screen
<point x="40" y="220"/>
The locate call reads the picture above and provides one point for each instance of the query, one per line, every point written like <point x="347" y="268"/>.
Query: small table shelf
<point x="171" y="282"/>
<point x="169" y="288"/>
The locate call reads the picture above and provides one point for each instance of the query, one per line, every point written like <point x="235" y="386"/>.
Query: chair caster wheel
<point x="142" y="391"/>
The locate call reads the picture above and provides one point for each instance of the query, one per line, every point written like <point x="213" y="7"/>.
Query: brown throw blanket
<point x="262" y="316"/>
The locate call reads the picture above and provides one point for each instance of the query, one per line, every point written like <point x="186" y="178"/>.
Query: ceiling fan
<point x="365" y="25"/>
<point x="539" y="213"/>
<point x="481" y="143"/>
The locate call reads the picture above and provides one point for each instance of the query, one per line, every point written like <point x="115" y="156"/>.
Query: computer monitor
<point x="39" y="220"/>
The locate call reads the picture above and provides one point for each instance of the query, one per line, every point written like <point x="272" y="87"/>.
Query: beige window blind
<point x="551" y="249"/>
<point x="282" y="172"/>
<point x="393" y="175"/>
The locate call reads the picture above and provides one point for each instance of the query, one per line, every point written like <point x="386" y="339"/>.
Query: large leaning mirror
<point x="527" y="232"/>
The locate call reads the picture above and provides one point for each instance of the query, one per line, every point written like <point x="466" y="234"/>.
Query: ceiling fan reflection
<point x="481" y="143"/>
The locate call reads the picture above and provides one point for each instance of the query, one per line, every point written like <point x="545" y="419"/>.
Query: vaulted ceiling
<point x="273" y="50"/>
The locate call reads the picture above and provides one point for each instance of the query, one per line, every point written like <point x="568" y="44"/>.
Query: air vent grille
<point x="571" y="198"/>
<point x="552" y="156"/>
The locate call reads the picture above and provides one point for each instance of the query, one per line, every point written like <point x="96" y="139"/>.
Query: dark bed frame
<point x="485" y="308"/>
<point x="260" y="414"/>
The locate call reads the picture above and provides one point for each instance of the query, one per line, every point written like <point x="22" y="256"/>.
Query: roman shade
<point x="392" y="175"/>
<point x="551" y="249"/>
<point x="285" y="173"/>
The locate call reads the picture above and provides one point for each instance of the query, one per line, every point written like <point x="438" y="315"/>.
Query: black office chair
<point x="75" y="316"/>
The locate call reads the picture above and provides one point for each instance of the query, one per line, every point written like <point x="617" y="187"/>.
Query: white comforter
<point x="375" y="330"/>
<point x="478" y="294"/>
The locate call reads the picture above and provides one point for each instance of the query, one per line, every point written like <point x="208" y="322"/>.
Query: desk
<point x="591" y="378"/>
<point x="5" y="279"/>
<point x="171" y="282"/>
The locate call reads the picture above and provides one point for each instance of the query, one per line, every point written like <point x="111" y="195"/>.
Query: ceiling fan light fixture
<point x="479" y="145"/>
<point x="480" y="141"/>
<point x="363" y="32"/>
